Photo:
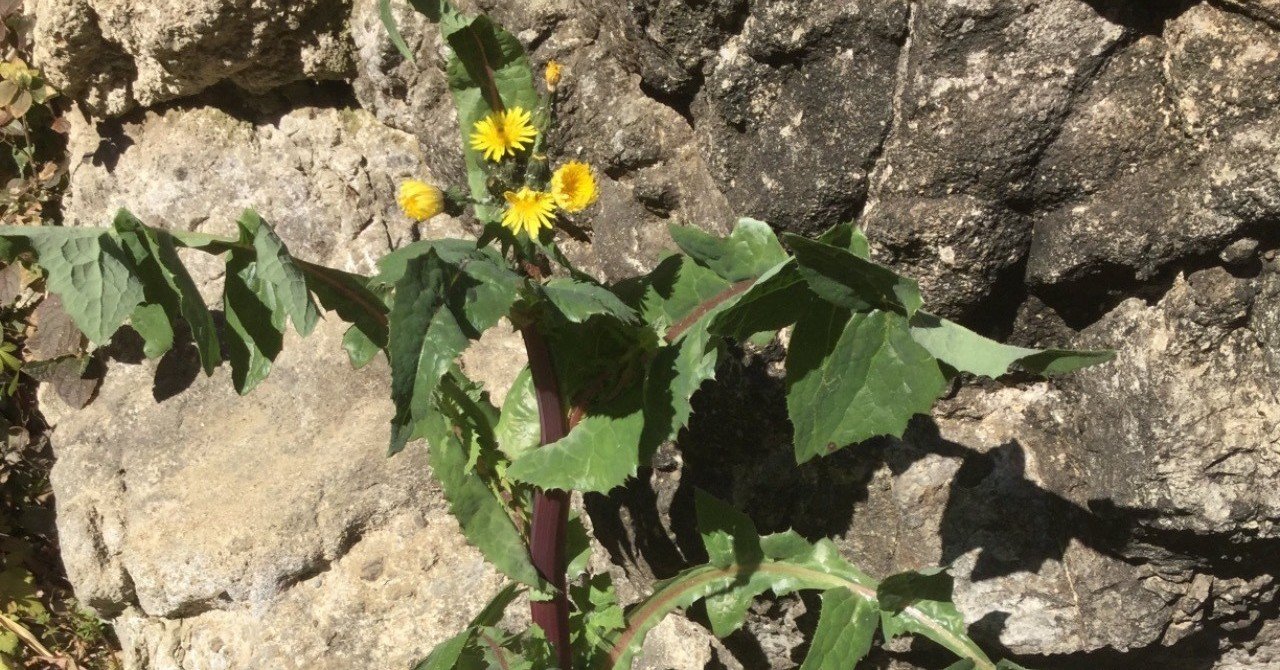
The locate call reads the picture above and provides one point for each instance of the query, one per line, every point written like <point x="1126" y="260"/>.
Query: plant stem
<point x="551" y="507"/>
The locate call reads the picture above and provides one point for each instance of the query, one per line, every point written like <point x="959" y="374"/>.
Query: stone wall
<point x="1056" y="172"/>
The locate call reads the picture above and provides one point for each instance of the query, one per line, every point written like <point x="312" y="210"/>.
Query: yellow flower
<point x="420" y="200"/>
<point x="503" y="133"/>
<point x="573" y="186"/>
<point x="552" y="74"/>
<point x="529" y="211"/>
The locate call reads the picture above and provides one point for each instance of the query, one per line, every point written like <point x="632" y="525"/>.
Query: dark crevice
<point x="679" y="101"/>
<point x="1086" y="297"/>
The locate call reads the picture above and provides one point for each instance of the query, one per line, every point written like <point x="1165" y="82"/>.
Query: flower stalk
<point x="550" y="523"/>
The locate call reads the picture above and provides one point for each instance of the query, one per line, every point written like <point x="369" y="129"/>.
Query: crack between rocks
<point x="876" y="160"/>
<point x="1249" y="10"/>
<point x="1075" y="595"/>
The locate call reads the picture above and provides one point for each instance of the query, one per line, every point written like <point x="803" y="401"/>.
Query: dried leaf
<point x="55" y="333"/>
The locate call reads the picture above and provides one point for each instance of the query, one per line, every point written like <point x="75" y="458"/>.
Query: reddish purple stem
<point x="550" y="508"/>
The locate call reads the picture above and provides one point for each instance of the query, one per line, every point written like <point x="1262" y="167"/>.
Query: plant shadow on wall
<point x="737" y="447"/>
<point x="612" y="374"/>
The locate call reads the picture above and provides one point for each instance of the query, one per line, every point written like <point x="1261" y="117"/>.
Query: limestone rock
<point x="272" y="529"/>
<point x="114" y="55"/>
<point x="325" y="177"/>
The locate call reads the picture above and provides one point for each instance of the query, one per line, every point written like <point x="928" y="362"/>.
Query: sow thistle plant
<point x="611" y="370"/>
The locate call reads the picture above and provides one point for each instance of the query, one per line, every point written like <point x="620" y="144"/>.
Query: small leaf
<point x="847" y="280"/>
<point x="938" y="620"/>
<point x="352" y="297"/>
<point x="255" y="321"/>
<point x="845" y="629"/>
<point x="439" y="309"/>
<point x="579" y="301"/>
<point x="8" y="91"/>
<point x="168" y="284"/>
<point x="280" y="273"/>
<point x="747" y="253"/>
<point x="461" y="427"/>
<point x="21" y="104"/>
<point x="853" y="377"/>
<point x="360" y="349"/>
<point x="970" y="352"/>
<point x="519" y="430"/>
<point x="776" y="300"/>
<point x="729" y="535"/>
<point x="392" y="266"/>
<point x="848" y="236"/>
<point x="601" y="452"/>
<point x="153" y="326"/>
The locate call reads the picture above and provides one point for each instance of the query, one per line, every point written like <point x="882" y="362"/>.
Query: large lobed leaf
<point x="438" y="310"/>
<point x="89" y="270"/>
<point x="460" y="433"/>
<point x="851" y="377"/>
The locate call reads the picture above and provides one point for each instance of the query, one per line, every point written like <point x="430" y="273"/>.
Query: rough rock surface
<point x="1054" y="171"/>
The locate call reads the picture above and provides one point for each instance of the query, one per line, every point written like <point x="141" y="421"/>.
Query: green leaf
<point x="579" y="300"/>
<point x="845" y="629"/>
<point x="853" y="377"/>
<point x="445" y="655"/>
<point x="675" y="374"/>
<point x="439" y="309"/>
<point x="255" y="321"/>
<point x="847" y="280"/>
<point x="463" y="426"/>
<point x="153" y="326"/>
<point x="167" y="283"/>
<point x="939" y="621"/>
<point x="899" y="591"/>
<point x="360" y="349"/>
<point x="352" y="297"/>
<point x="89" y="271"/>
<point x="784" y="563"/>
<point x="601" y="452"/>
<point x="392" y="266"/>
<point x="674" y="293"/>
<point x="970" y="352"/>
<point x="597" y="617"/>
<point x="728" y="535"/>
<point x="776" y="300"/>
<point x="280" y="274"/>
<point x="749" y="251"/>
<point x="848" y="236"/>
<point x="731" y="540"/>
<point x="519" y="429"/>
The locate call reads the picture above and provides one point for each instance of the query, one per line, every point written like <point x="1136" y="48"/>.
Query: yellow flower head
<point x="552" y="74"/>
<point x="529" y="211"/>
<point x="420" y="200"/>
<point x="573" y="186"/>
<point x="503" y="133"/>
